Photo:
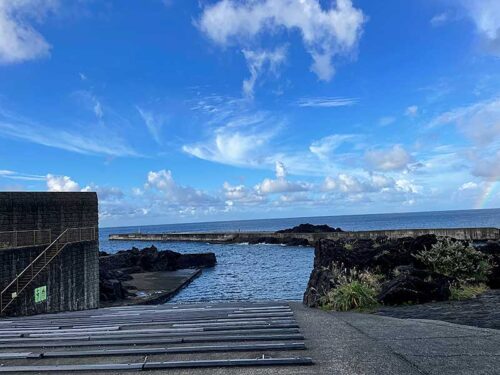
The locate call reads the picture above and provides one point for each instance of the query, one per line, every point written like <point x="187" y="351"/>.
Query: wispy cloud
<point x="98" y="141"/>
<point x="486" y="16"/>
<point x="479" y="122"/>
<point x="440" y="19"/>
<point x="90" y="101"/>
<point x="153" y="122"/>
<point x="13" y="175"/>
<point x="386" y="120"/>
<point x="326" y="102"/>
<point x="260" y="61"/>
<point x="411" y="111"/>
<point x="19" y="41"/>
<point x="325" y="147"/>
<point x="238" y="147"/>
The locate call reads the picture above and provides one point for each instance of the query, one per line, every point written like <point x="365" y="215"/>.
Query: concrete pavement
<point x="338" y="343"/>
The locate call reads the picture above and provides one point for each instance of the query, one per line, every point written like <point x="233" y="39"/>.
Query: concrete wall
<point x="458" y="233"/>
<point x="72" y="279"/>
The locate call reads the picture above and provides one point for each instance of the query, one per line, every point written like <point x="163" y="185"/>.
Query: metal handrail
<point x="16" y="234"/>
<point x="43" y="255"/>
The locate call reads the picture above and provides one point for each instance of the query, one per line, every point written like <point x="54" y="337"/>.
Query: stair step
<point x="51" y="252"/>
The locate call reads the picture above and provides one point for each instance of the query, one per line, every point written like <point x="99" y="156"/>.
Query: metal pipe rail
<point x="23" y="238"/>
<point x="26" y="276"/>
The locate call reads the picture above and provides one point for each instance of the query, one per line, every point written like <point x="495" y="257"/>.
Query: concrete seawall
<point x="29" y="222"/>
<point x="476" y="234"/>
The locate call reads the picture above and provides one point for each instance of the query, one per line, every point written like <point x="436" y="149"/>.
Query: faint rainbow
<point x="486" y="194"/>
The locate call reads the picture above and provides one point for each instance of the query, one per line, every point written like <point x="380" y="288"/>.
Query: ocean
<point x="273" y="272"/>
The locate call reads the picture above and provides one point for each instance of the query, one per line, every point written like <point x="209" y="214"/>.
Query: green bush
<point x="454" y="259"/>
<point x="354" y="295"/>
<point x="466" y="291"/>
<point x="354" y="290"/>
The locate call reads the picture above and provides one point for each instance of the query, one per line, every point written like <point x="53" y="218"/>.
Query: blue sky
<point x="180" y="111"/>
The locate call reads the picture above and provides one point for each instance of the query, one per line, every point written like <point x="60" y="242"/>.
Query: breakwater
<point x="473" y="234"/>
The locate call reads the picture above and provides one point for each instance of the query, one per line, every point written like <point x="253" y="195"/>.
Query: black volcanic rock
<point x="382" y="256"/>
<point x="310" y="228"/>
<point x="415" y="286"/>
<point x="115" y="268"/>
<point x="492" y="248"/>
<point x="407" y="280"/>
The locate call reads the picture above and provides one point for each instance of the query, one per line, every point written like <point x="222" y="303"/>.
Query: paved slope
<point x="159" y="336"/>
<point x="153" y="337"/>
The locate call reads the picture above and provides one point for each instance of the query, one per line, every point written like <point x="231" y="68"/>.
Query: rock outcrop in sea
<point x="115" y="268"/>
<point x="295" y="241"/>
<point x="310" y="228"/>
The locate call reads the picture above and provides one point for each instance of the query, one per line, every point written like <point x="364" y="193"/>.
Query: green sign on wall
<point x="41" y="294"/>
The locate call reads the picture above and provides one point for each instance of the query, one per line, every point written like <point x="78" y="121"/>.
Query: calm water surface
<point x="270" y="272"/>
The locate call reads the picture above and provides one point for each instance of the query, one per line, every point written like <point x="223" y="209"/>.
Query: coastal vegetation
<point x="461" y="292"/>
<point x="355" y="290"/>
<point x="363" y="274"/>
<point x="457" y="260"/>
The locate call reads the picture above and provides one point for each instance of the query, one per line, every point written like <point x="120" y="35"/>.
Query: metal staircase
<point x="26" y="277"/>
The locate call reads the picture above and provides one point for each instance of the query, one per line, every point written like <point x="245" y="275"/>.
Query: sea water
<point x="275" y="272"/>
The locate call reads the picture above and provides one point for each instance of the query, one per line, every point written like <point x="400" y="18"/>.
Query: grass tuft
<point x="466" y="291"/>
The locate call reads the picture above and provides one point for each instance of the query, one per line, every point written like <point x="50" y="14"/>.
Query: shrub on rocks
<point x="458" y="260"/>
<point x="414" y="270"/>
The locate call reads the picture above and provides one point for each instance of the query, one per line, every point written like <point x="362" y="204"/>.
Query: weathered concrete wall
<point x="458" y="233"/>
<point x="72" y="279"/>
<point x="55" y="211"/>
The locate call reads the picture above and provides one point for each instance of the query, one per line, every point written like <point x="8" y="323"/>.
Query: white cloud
<point x="234" y="144"/>
<point x="19" y="41"/>
<point x="407" y="186"/>
<point x="350" y="184"/>
<point x="173" y="193"/>
<point x="439" y="19"/>
<point x="486" y="16"/>
<point x="326" y="33"/>
<point x="411" y="111"/>
<point x="281" y="171"/>
<point x="468" y="186"/>
<point x="20" y="176"/>
<point x="281" y="184"/>
<point x="83" y="141"/>
<point x="487" y="167"/>
<point x="105" y="193"/>
<point x="386" y="120"/>
<point x="61" y="183"/>
<point x="326" y="102"/>
<point x="83" y="77"/>
<point x="395" y="158"/>
<point x="324" y="147"/>
<point x="90" y="102"/>
<point x="241" y="194"/>
<point x="153" y="122"/>
<point x="258" y="62"/>
<point x="479" y="122"/>
<point x="98" y="110"/>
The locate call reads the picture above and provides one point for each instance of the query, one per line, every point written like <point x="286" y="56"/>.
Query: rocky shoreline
<point x="398" y="268"/>
<point x="115" y="269"/>
<point x="294" y="241"/>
